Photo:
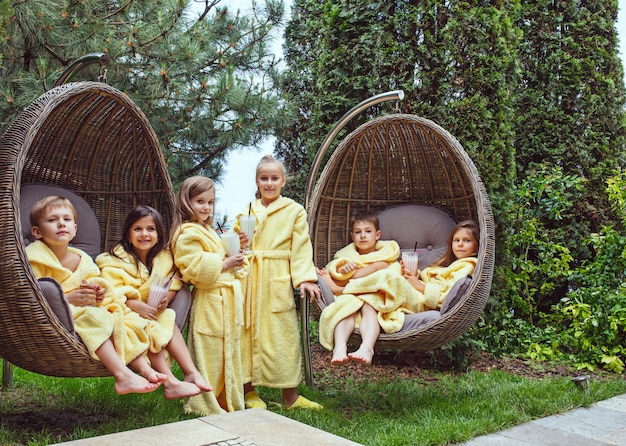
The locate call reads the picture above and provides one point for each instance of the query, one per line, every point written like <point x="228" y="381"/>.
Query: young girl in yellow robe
<point x="435" y="281"/>
<point x="216" y="316"/>
<point x="139" y="258"/>
<point x="281" y="260"/>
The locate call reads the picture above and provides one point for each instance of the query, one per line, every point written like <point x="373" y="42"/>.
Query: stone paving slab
<point x="251" y="427"/>
<point x="602" y="424"/>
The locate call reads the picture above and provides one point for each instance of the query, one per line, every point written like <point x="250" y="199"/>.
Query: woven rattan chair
<point x="91" y="139"/>
<point x="396" y="160"/>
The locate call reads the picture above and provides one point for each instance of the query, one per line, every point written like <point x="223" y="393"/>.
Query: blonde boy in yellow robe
<point x="98" y="314"/>
<point x="131" y="266"/>
<point x="216" y="317"/>
<point x="281" y="260"/>
<point x="371" y="293"/>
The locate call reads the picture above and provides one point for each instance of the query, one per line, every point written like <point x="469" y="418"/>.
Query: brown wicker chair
<point x="91" y="139"/>
<point x="396" y="160"/>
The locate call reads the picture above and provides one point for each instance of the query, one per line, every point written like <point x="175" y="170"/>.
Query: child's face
<point x="143" y="235"/>
<point x="202" y="205"/>
<point x="270" y="180"/>
<point x="464" y="244"/>
<point x="57" y="226"/>
<point x="364" y="236"/>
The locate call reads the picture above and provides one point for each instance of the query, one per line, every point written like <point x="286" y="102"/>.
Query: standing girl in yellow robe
<point x="131" y="266"/>
<point x="216" y="316"/>
<point x="281" y="260"/>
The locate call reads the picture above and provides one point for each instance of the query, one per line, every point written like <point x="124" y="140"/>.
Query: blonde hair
<point x="268" y="159"/>
<point x="191" y="187"/>
<point x="52" y="201"/>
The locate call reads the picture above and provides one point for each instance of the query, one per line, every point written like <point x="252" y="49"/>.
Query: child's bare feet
<point x="131" y="383"/>
<point x="197" y="379"/>
<point x="153" y="376"/>
<point x="362" y="355"/>
<point x="340" y="355"/>
<point x="174" y="389"/>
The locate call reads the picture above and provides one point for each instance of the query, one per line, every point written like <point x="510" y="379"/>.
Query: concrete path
<point x="603" y="423"/>
<point x="251" y="427"/>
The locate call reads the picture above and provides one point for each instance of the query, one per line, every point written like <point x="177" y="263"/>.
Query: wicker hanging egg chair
<point x="93" y="141"/>
<point x="389" y="162"/>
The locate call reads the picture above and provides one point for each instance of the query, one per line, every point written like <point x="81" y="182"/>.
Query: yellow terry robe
<point x="281" y="260"/>
<point x="215" y="319"/>
<point x="439" y="279"/>
<point x="385" y="290"/>
<point x="133" y="281"/>
<point x="93" y="324"/>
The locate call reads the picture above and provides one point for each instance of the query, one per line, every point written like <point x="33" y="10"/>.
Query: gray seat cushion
<point x="88" y="232"/>
<point x="53" y="293"/>
<point x="414" y="226"/>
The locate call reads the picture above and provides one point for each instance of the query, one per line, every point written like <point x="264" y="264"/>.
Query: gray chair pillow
<point x="414" y="225"/>
<point x="415" y="320"/>
<point x="456" y="292"/>
<point x="181" y="305"/>
<point x="327" y="295"/>
<point x="88" y="233"/>
<point x="52" y="291"/>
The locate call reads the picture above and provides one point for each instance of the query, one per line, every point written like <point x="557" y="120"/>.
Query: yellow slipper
<point x="253" y="401"/>
<point x="303" y="403"/>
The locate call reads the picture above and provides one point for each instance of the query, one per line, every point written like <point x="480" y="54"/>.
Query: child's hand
<point x="85" y="296"/>
<point x="313" y="289"/>
<point x="145" y="310"/>
<point x="243" y="239"/>
<point x="347" y="268"/>
<point x="232" y="262"/>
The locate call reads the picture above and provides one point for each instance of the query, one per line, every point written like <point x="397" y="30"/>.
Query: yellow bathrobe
<point x="393" y="298"/>
<point x="215" y="320"/>
<point x="94" y="324"/>
<point x="385" y="290"/>
<point x="439" y="279"/>
<point x="281" y="260"/>
<point x="133" y="281"/>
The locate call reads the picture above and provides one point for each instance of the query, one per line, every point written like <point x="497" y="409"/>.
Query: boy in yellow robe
<point x="98" y="314"/>
<point x="371" y="293"/>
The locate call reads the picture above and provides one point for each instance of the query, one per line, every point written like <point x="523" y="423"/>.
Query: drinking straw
<point x="415" y="249"/>
<point x="167" y="282"/>
<point x="249" y="208"/>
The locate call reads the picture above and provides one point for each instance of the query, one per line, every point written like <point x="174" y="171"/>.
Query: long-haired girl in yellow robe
<point x="216" y="316"/>
<point x="138" y="259"/>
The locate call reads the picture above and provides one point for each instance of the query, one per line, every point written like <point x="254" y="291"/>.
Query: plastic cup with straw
<point x="411" y="259"/>
<point x="247" y="223"/>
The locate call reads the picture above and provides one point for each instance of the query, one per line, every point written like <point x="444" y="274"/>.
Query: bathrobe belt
<point x="237" y="294"/>
<point x="257" y="260"/>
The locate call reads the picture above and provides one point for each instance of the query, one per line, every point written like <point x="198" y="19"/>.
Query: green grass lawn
<point x="397" y="401"/>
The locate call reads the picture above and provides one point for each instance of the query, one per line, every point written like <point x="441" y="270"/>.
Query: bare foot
<point x="362" y="355"/>
<point x="173" y="390"/>
<point x="132" y="383"/>
<point x="154" y="377"/>
<point x="340" y="356"/>
<point x="197" y="379"/>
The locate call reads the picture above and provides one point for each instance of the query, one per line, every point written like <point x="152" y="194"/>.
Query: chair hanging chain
<point x="398" y="106"/>
<point x="102" y="76"/>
